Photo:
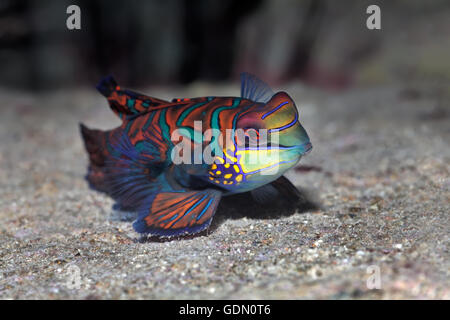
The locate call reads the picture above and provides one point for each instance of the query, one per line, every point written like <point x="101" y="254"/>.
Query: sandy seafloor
<point x="376" y="198"/>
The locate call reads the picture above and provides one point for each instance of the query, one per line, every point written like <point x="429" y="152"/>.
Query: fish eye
<point x="251" y="133"/>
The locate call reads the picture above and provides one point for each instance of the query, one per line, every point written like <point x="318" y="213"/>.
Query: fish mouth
<point x="302" y="149"/>
<point x="306" y="148"/>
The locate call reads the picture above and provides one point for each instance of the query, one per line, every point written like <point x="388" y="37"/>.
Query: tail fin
<point x="95" y="144"/>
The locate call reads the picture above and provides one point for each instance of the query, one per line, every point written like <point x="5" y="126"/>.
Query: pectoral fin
<point x="287" y="189"/>
<point x="177" y="213"/>
<point x="265" y="194"/>
<point x="280" y="187"/>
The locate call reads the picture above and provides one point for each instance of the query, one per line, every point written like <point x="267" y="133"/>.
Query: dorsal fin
<point x="254" y="89"/>
<point x="126" y="102"/>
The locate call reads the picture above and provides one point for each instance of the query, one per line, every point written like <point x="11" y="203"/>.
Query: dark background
<point x="321" y="43"/>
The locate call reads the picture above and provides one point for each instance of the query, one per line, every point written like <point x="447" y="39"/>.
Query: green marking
<point x="215" y="116"/>
<point x="130" y="104"/>
<point x="215" y="119"/>
<point x="235" y="121"/>
<point x="140" y="146"/>
<point x="149" y="121"/>
<point x="186" y="112"/>
<point x="191" y="131"/>
<point x="163" y="124"/>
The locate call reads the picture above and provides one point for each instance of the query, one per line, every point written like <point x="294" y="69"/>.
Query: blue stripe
<point x="273" y="110"/>
<point x="206" y="208"/>
<point x="192" y="208"/>
<point x="195" y="205"/>
<point x="286" y="126"/>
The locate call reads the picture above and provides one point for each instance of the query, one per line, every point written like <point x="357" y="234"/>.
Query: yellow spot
<point x="228" y="182"/>
<point x="236" y="168"/>
<point x="220" y="160"/>
<point x="228" y="176"/>
<point x="211" y="178"/>
<point x="214" y="166"/>
<point x="218" y="172"/>
<point x="217" y="181"/>
<point x="227" y="165"/>
<point x="239" y="178"/>
<point x="233" y="159"/>
<point x="211" y="173"/>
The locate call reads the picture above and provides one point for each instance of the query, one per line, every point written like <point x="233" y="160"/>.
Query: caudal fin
<point x="95" y="145"/>
<point x="107" y="86"/>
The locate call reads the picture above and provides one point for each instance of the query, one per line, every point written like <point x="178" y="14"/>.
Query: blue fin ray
<point x="255" y="89"/>
<point x="132" y="174"/>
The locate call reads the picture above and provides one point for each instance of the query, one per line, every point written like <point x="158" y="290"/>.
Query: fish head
<point x="268" y="140"/>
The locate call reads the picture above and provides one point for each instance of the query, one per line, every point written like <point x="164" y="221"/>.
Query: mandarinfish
<point x="250" y="142"/>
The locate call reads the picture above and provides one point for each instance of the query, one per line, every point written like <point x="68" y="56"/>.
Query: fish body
<point x="172" y="161"/>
